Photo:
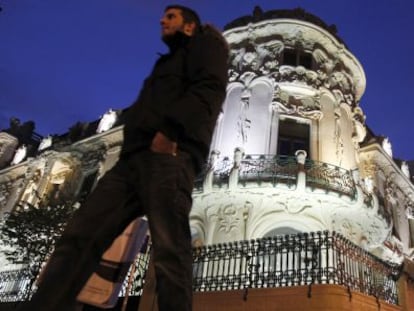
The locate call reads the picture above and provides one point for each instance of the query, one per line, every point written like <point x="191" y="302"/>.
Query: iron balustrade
<point x="277" y="169"/>
<point x="294" y="260"/>
<point x="15" y="285"/>
<point x="222" y="171"/>
<point x="19" y="285"/>
<point x="330" y="177"/>
<point x="265" y="168"/>
<point x="281" y="261"/>
<point x="134" y="281"/>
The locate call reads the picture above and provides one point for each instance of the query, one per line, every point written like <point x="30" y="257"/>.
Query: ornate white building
<point x="291" y="152"/>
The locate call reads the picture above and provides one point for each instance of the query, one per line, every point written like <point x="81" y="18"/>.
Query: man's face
<point x="173" y="21"/>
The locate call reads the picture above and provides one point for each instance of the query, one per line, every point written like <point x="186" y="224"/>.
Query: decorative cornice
<point x="298" y="14"/>
<point x="89" y="156"/>
<point x="256" y="47"/>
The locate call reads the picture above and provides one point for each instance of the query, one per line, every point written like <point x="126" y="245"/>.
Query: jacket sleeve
<point x="201" y="101"/>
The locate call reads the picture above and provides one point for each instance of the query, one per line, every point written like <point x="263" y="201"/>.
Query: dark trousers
<point x="157" y="185"/>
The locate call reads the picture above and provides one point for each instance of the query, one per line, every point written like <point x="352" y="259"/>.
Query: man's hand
<point x="162" y="144"/>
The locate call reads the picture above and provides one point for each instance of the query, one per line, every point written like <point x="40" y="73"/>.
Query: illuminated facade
<point x="291" y="151"/>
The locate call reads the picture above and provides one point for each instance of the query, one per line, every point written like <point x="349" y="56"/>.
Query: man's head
<point x="179" y="18"/>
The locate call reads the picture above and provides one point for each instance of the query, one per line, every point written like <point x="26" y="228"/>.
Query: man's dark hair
<point x="189" y="15"/>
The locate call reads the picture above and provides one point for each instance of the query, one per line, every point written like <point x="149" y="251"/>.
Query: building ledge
<point x="316" y="298"/>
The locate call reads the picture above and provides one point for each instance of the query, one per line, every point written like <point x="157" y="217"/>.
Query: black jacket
<point x="182" y="97"/>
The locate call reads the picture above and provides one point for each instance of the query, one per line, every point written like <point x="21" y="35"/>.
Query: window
<point x="293" y="136"/>
<point x="290" y="57"/>
<point x="296" y="57"/>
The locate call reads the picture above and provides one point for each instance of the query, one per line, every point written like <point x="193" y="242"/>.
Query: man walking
<point x="167" y="134"/>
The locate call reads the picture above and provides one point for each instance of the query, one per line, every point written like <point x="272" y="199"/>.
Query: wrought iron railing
<point x="271" y="169"/>
<point x="134" y="281"/>
<point x="277" y="170"/>
<point x="294" y="260"/>
<point x="281" y="261"/>
<point x="15" y="285"/>
<point x="19" y="285"/>
<point x="330" y="177"/>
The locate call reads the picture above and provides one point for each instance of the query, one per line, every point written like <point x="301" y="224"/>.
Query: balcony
<point x="303" y="266"/>
<point x="276" y="170"/>
<point x="294" y="260"/>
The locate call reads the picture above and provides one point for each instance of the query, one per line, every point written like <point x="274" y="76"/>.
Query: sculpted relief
<point x="258" y="92"/>
<point x="260" y="58"/>
<point x="264" y="59"/>
<point x="246" y="121"/>
<point x="5" y="189"/>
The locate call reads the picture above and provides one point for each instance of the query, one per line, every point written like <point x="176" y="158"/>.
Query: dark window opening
<point x="297" y="58"/>
<point x="293" y="136"/>
<point x="289" y="58"/>
<point x="305" y="60"/>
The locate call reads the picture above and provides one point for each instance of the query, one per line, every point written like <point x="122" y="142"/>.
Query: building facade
<point x="291" y="153"/>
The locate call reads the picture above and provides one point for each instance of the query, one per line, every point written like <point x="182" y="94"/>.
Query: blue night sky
<point x="63" y="61"/>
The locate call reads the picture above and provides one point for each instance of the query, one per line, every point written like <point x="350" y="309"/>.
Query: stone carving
<point x="227" y="218"/>
<point x="296" y="39"/>
<point x="296" y="205"/>
<point x="298" y="13"/>
<point x="107" y="121"/>
<point x="386" y="145"/>
<point x="20" y="155"/>
<point x="31" y="193"/>
<point x="299" y="75"/>
<point x="361" y="228"/>
<point x="338" y="140"/>
<point x="392" y="250"/>
<point x="339" y="80"/>
<point x="5" y="189"/>
<point x="368" y="185"/>
<point x="369" y="168"/>
<point x="405" y="169"/>
<point x="305" y="106"/>
<point x="258" y="58"/>
<point x="325" y="63"/>
<point x="391" y="189"/>
<point x="390" y="199"/>
<point x="348" y="229"/>
<point x="8" y="145"/>
<point x="409" y="206"/>
<point x="234" y="173"/>
<point x="359" y="130"/>
<point x="263" y="59"/>
<point x="243" y="122"/>
<point x="45" y="143"/>
<point x="211" y="168"/>
<point x="89" y="157"/>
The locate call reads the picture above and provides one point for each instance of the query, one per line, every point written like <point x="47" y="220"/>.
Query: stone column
<point x="301" y="181"/>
